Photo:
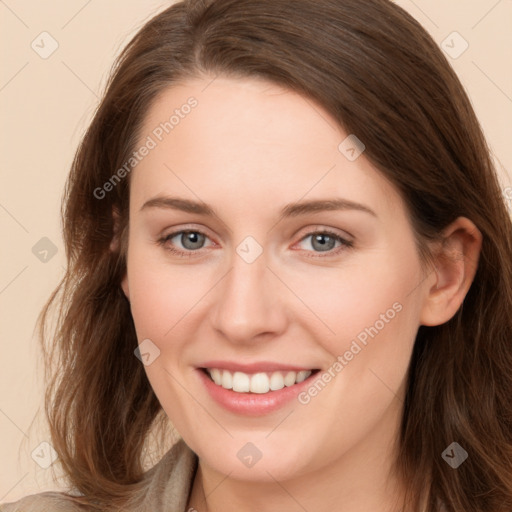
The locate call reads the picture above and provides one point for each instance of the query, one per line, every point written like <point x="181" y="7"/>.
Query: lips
<point x="254" y="389"/>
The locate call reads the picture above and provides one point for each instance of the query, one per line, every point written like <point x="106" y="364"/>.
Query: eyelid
<point x="346" y="242"/>
<point x="165" y="237"/>
<point x="319" y="228"/>
<point x="173" y="231"/>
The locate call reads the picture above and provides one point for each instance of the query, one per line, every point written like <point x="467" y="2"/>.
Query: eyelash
<point x="345" y="244"/>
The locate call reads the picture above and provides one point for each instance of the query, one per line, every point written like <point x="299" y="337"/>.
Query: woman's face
<point x="297" y="257"/>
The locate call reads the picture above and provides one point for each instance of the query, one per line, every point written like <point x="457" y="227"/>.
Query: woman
<point x="286" y="236"/>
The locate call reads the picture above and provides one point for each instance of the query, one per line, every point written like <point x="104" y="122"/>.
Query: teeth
<point x="302" y="375"/>
<point x="276" y="381"/>
<point x="260" y="383"/>
<point x="290" y="378"/>
<point x="241" y="382"/>
<point x="216" y="375"/>
<point x="257" y="382"/>
<point x="227" y="380"/>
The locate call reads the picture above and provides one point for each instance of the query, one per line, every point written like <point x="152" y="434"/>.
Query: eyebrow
<point x="290" y="210"/>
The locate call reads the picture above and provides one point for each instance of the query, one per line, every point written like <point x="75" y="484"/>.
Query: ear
<point x="116" y="237"/>
<point x="455" y="267"/>
<point x="115" y="245"/>
<point x="125" y="286"/>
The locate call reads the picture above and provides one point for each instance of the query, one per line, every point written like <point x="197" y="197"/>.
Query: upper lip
<point x="261" y="366"/>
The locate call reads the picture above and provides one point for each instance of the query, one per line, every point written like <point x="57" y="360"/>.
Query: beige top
<point x="166" y="488"/>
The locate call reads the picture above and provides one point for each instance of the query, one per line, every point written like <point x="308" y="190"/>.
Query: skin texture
<point x="248" y="149"/>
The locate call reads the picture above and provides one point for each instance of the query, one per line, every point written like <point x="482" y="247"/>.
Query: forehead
<point x="249" y="139"/>
<point x="249" y="111"/>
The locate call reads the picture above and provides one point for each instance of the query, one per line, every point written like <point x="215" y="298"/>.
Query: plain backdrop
<point x="46" y="102"/>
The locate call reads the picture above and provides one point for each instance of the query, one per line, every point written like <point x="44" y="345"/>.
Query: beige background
<point x="46" y="105"/>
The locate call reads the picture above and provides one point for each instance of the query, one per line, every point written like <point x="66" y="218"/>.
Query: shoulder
<point x="43" y="502"/>
<point x="167" y="484"/>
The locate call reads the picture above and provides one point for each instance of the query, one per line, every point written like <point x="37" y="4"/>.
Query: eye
<point x="326" y="241"/>
<point x="188" y="242"/>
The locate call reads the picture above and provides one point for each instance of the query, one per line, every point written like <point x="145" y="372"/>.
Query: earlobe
<point x="125" y="286"/>
<point x="455" y="267"/>
<point x="115" y="242"/>
<point x="115" y="246"/>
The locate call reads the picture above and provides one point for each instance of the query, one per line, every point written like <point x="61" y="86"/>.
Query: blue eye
<point x="325" y="241"/>
<point x="192" y="241"/>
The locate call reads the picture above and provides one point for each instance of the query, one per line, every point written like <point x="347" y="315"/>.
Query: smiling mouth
<point x="260" y="383"/>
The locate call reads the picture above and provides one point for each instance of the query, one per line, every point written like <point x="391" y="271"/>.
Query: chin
<point x="259" y="460"/>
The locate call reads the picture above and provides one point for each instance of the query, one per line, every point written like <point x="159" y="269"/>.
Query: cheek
<point x="161" y="296"/>
<point x="369" y="319"/>
<point x="163" y="299"/>
<point x="370" y="313"/>
<point x="356" y="300"/>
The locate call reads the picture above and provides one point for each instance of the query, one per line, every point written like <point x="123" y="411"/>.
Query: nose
<point x="250" y="303"/>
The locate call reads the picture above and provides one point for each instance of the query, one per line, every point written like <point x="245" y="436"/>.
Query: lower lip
<point x="253" y="404"/>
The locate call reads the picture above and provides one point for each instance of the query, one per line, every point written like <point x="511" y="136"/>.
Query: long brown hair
<point x="382" y="77"/>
